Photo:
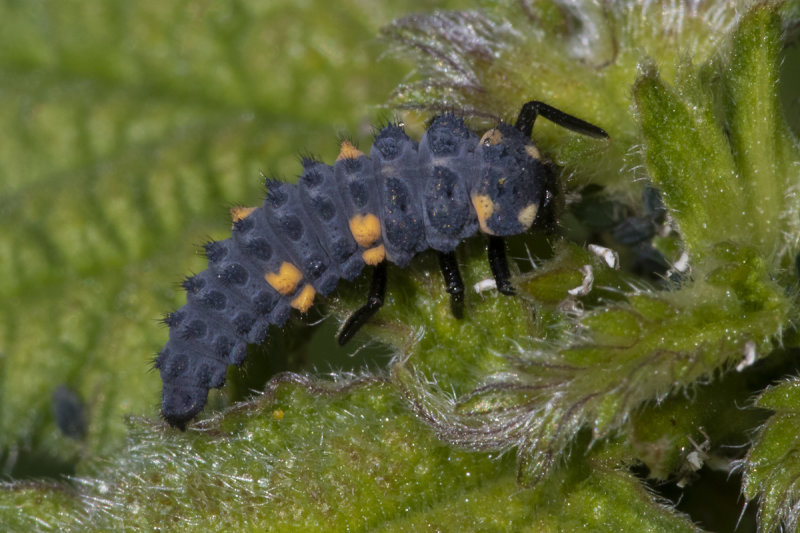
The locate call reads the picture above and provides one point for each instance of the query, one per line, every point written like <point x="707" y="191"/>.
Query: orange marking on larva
<point x="484" y="207"/>
<point x="284" y="281"/>
<point x="366" y="229"/>
<point x="532" y="151"/>
<point x="348" y="151"/>
<point x="527" y="214"/>
<point x="492" y="137"/>
<point x="304" y="300"/>
<point x="373" y="256"/>
<point x="278" y="414"/>
<point x="239" y="212"/>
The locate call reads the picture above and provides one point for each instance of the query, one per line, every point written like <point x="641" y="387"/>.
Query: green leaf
<point x="753" y="112"/>
<point x="637" y="350"/>
<point x="364" y="463"/>
<point x="749" y="160"/>
<point x="690" y="160"/>
<point x="771" y="467"/>
<point x="36" y="506"/>
<point x="135" y="127"/>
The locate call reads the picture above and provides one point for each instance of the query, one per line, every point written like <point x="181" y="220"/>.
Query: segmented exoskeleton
<point x="401" y="199"/>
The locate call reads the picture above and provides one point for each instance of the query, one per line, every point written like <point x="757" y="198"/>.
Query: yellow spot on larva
<point x="533" y="151"/>
<point x="366" y="229"/>
<point x="285" y="280"/>
<point x="484" y="207"/>
<point x="373" y="256"/>
<point x="348" y="151"/>
<point x="304" y="300"/>
<point x="277" y="414"/>
<point x="239" y="212"/>
<point x="492" y="137"/>
<point x="527" y="214"/>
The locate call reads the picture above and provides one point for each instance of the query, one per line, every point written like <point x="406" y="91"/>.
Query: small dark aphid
<point x="401" y="199"/>
<point x="69" y="412"/>
<point x="626" y="227"/>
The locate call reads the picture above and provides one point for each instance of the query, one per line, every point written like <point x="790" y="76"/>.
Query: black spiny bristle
<point x="392" y="129"/>
<point x="243" y="225"/>
<point x="276" y="195"/>
<point x="311" y="176"/>
<point x="172" y="319"/>
<point x="215" y="251"/>
<point x="308" y="160"/>
<point x="193" y="284"/>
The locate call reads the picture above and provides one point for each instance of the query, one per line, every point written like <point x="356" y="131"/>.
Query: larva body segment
<point x="400" y="182"/>
<point x="448" y="162"/>
<point x="322" y="201"/>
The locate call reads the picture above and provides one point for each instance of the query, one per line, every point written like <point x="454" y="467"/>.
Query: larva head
<point x="513" y="184"/>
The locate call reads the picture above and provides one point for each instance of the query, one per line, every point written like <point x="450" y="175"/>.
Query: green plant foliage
<point x="628" y="352"/>
<point x="491" y="60"/>
<point x="771" y="465"/>
<point x="365" y="463"/>
<point x="134" y="128"/>
<point x="753" y="177"/>
<point x="36" y="506"/>
<point x="664" y="299"/>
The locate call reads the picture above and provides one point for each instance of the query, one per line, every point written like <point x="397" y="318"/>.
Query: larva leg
<point x="531" y="110"/>
<point x="452" y="278"/>
<point x="499" y="264"/>
<point x="377" y="293"/>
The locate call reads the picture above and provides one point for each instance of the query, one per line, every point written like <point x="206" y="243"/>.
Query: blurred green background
<point x="129" y="129"/>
